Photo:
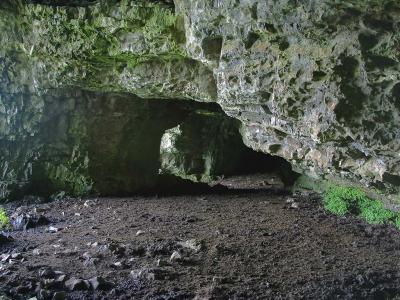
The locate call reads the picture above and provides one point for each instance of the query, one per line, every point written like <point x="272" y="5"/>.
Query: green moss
<point x="72" y="176"/>
<point x="4" y="220"/>
<point x="341" y="200"/>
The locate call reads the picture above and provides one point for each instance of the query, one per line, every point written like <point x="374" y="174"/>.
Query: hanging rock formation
<point x="316" y="82"/>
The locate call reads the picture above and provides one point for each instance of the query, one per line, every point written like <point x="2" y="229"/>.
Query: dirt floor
<point x="236" y="244"/>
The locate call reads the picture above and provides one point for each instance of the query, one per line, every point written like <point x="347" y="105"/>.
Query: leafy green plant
<point x="342" y="200"/>
<point x="4" y="220"/>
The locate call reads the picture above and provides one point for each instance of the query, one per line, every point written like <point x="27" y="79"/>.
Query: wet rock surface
<point x="227" y="245"/>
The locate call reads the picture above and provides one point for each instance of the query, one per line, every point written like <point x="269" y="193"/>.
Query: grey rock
<point x="176" y="256"/>
<point x="192" y="244"/>
<point x="46" y="273"/>
<point x="76" y="284"/>
<point x="99" y="283"/>
<point x="59" y="295"/>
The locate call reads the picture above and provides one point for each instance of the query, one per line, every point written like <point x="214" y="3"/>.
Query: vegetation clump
<point x="4" y="220"/>
<point x="342" y="200"/>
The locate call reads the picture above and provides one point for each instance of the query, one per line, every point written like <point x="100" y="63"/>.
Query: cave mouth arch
<point x="111" y="144"/>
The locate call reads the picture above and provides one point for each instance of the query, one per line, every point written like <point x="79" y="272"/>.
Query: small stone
<point x="139" y="232"/>
<point x="53" y="229"/>
<point x="87" y="255"/>
<point x="5" y="257"/>
<point x="36" y="251"/>
<point x="136" y="274"/>
<point x="61" y="278"/>
<point x="46" y="273"/>
<point x="98" y="283"/>
<point x="294" y="205"/>
<point x="75" y="284"/>
<point x="49" y="283"/>
<point x="176" y="256"/>
<point x="43" y="294"/>
<point x="59" y="295"/>
<point x="192" y="244"/>
<point x="89" y="203"/>
<point x="16" y="256"/>
<point x="289" y="200"/>
<point x="161" y="263"/>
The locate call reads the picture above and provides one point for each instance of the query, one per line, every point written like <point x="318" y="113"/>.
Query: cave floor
<point x="254" y="244"/>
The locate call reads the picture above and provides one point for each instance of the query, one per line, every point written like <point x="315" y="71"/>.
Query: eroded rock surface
<point x="315" y="82"/>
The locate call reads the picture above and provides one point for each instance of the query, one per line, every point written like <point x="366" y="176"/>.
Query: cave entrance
<point x="206" y="147"/>
<point x="120" y="145"/>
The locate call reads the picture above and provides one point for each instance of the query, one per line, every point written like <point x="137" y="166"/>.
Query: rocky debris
<point x="89" y="203"/>
<point x="161" y="263"/>
<point x="91" y="259"/>
<point x="53" y="229"/>
<point x="76" y="284"/>
<point x="99" y="283"/>
<point x="59" y="295"/>
<point x="175" y="256"/>
<point x="192" y="244"/>
<point x="117" y="249"/>
<point x="151" y="274"/>
<point x="26" y="221"/>
<point x="137" y="250"/>
<point x="47" y="272"/>
<point x="140" y="232"/>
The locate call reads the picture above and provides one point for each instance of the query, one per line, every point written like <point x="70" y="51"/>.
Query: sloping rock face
<point x="316" y="82"/>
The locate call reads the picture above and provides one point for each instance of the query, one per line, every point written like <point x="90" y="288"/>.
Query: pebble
<point x="149" y="274"/>
<point x="36" y="251"/>
<point x="161" y="263"/>
<point x="76" y="284"/>
<point x="46" y="273"/>
<point x="289" y="200"/>
<point x="5" y="257"/>
<point x="192" y="244"/>
<point x="294" y="205"/>
<point x="53" y="229"/>
<point x="176" y="256"/>
<point x="16" y="256"/>
<point x="99" y="283"/>
<point x="139" y="232"/>
<point x="89" y="203"/>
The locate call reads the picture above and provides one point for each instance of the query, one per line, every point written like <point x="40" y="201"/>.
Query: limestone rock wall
<point x="316" y="82"/>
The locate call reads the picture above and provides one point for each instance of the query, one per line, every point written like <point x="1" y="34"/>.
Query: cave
<point x="196" y="149"/>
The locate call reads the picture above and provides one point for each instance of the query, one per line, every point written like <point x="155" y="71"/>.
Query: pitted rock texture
<point x="316" y="82"/>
